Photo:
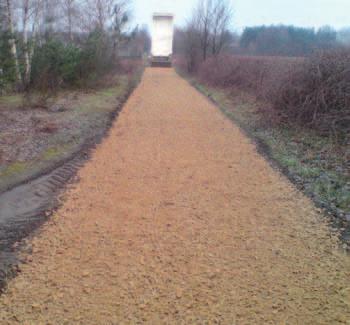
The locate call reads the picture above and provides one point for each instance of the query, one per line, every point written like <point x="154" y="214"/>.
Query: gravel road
<point x="176" y="219"/>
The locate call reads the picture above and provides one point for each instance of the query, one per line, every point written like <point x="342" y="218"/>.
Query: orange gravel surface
<point x="177" y="219"/>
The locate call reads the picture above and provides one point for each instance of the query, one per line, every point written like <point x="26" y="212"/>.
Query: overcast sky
<point x="309" y="13"/>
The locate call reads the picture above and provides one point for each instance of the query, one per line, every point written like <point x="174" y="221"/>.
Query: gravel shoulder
<point x="176" y="219"/>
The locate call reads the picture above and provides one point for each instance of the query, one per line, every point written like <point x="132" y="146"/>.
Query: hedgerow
<point x="309" y="92"/>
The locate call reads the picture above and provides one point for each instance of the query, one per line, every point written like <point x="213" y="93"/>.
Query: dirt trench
<point x="177" y="219"/>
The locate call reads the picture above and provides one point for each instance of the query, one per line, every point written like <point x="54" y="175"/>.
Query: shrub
<point x="96" y="56"/>
<point x="259" y="75"/>
<point x="129" y="66"/>
<point x="54" y="64"/>
<point x="317" y="93"/>
<point x="181" y="64"/>
<point x="312" y="92"/>
<point x="71" y="57"/>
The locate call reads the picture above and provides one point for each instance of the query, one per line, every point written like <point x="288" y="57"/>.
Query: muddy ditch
<point x="25" y="207"/>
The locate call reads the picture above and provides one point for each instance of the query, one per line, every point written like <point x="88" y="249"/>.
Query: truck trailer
<point x="162" y="40"/>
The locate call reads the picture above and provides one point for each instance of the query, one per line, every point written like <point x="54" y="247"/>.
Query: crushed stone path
<point x="177" y="219"/>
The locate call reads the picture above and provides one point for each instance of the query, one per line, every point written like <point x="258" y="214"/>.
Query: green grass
<point x="100" y="101"/>
<point x="309" y="172"/>
<point x="288" y="161"/>
<point x="11" y="101"/>
<point x="14" y="168"/>
<point x="53" y="153"/>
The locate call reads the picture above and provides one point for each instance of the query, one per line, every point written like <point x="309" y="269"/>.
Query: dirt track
<point x="177" y="220"/>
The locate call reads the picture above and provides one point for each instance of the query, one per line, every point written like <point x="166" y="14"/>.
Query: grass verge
<point x="51" y="138"/>
<point x="317" y="165"/>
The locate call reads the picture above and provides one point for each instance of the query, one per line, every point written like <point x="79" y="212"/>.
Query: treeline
<point x="287" y="40"/>
<point x="343" y="36"/>
<point x="278" y="40"/>
<point x="209" y="32"/>
<point x="45" y="44"/>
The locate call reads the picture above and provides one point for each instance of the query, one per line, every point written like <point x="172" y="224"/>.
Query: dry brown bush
<point x="259" y="74"/>
<point x="317" y="93"/>
<point x="312" y="92"/>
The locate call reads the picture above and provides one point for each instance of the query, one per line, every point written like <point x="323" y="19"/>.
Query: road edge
<point x="337" y="222"/>
<point x="19" y="245"/>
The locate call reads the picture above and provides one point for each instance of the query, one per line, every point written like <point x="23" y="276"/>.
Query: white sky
<point x="307" y="13"/>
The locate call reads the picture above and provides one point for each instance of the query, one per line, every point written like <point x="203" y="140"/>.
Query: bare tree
<point x="212" y="20"/>
<point x="192" y="46"/>
<point x="203" y="19"/>
<point x="100" y="13"/>
<point x="70" y="11"/>
<point x="221" y="21"/>
<point x="50" y="17"/>
<point x="120" y="19"/>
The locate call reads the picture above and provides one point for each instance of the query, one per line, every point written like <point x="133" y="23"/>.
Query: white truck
<point x="162" y="39"/>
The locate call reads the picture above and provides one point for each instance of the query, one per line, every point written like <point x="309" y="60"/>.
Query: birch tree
<point x="12" y="41"/>
<point x="31" y="10"/>
<point x="2" y="15"/>
<point x="25" y="8"/>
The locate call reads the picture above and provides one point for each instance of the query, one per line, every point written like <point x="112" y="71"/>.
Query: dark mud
<point x="24" y="208"/>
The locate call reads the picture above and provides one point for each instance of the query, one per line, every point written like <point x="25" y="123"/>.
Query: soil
<point x="176" y="219"/>
<point x="25" y="208"/>
<point x="26" y="132"/>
